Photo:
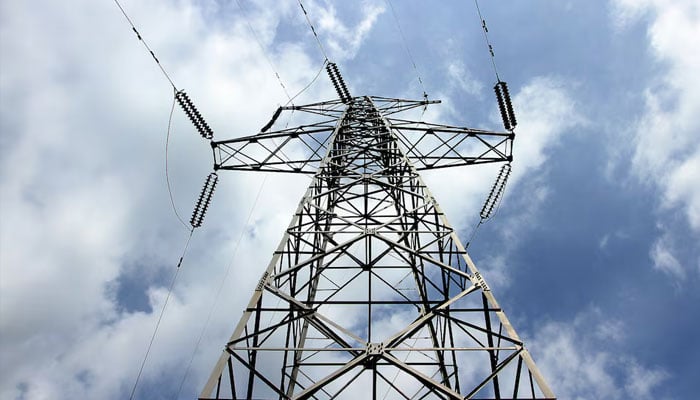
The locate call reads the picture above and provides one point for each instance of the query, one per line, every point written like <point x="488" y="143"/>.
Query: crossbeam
<point x="301" y="149"/>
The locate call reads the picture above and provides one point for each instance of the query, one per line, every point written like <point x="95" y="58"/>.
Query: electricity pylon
<point x="370" y="294"/>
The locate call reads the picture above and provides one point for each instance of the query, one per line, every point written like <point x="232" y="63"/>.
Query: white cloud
<point x="662" y="255"/>
<point x="459" y="74"/>
<point x="581" y="365"/>
<point x="545" y="110"/>
<point x="667" y="152"/>
<point x="344" y="41"/>
<point x="83" y="195"/>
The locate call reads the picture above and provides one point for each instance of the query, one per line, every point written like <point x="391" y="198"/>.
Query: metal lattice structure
<point x="370" y="293"/>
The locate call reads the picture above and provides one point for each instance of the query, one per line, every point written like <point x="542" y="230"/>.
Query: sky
<point x="593" y="253"/>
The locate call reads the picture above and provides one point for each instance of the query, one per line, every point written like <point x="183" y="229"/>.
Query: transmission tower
<point x="370" y="293"/>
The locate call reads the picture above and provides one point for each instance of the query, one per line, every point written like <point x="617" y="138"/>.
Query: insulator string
<point x="200" y="209"/>
<point x="495" y="197"/>
<point x="338" y="82"/>
<point x="496" y="192"/>
<point x="194" y="115"/>
<point x="272" y="120"/>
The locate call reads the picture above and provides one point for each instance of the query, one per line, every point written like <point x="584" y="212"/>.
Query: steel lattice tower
<point x="370" y="293"/>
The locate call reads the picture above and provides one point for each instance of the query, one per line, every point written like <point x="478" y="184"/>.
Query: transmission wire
<point x="221" y="285"/>
<point x="290" y="99"/>
<point x="308" y="85"/>
<point x="405" y="46"/>
<point x="138" y="35"/>
<point x="162" y="312"/>
<point x="485" y="30"/>
<point x="167" y="174"/>
<point x="313" y="30"/>
<point x="482" y="21"/>
<point x="262" y="48"/>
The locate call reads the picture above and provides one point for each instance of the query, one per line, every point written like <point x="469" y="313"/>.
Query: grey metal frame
<point x="370" y="293"/>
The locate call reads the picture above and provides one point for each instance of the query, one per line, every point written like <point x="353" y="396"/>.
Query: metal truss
<point x="370" y="293"/>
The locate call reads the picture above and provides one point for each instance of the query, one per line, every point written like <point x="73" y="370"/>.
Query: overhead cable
<point x="313" y="30"/>
<point x="138" y="35"/>
<point x="408" y="50"/>
<point x="160" y="316"/>
<point x="485" y="29"/>
<point x="167" y="169"/>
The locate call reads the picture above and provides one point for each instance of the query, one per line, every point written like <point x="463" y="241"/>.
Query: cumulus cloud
<point x="460" y="76"/>
<point x="581" y="361"/>
<point x="84" y="202"/>
<point x="664" y="260"/>
<point x="546" y="111"/>
<point x="666" y="149"/>
<point x="667" y="152"/>
<point x="344" y="41"/>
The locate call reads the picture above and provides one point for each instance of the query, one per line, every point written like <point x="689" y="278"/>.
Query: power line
<point x="405" y="45"/>
<point x="221" y="286"/>
<point x="262" y="48"/>
<point x="485" y="29"/>
<point x="290" y="99"/>
<point x="167" y="173"/>
<point x="313" y="30"/>
<point x="138" y="35"/>
<point x="160" y="317"/>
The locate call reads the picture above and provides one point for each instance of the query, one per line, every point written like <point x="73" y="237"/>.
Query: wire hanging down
<point x="200" y="209"/>
<point x="496" y="192"/>
<point x="505" y="105"/>
<point x="338" y="82"/>
<point x="197" y="120"/>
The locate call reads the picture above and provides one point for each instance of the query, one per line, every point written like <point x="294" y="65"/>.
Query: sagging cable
<point x="200" y="209"/>
<point x="505" y="105"/>
<point x="496" y="192"/>
<point x="338" y="82"/>
<point x="272" y="121"/>
<point x="197" y="120"/>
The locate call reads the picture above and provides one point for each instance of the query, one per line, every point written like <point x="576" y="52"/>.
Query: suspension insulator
<point x="505" y="106"/>
<point x="338" y="82"/>
<point x="200" y="209"/>
<point x="272" y="121"/>
<point x="509" y="105"/>
<point x="193" y="114"/>
<point x="496" y="192"/>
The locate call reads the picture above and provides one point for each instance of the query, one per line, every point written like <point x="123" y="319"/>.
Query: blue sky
<point x="593" y="253"/>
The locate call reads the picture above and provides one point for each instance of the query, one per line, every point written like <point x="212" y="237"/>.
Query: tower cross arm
<point x="433" y="146"/>
<point x="295" y="150"/>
